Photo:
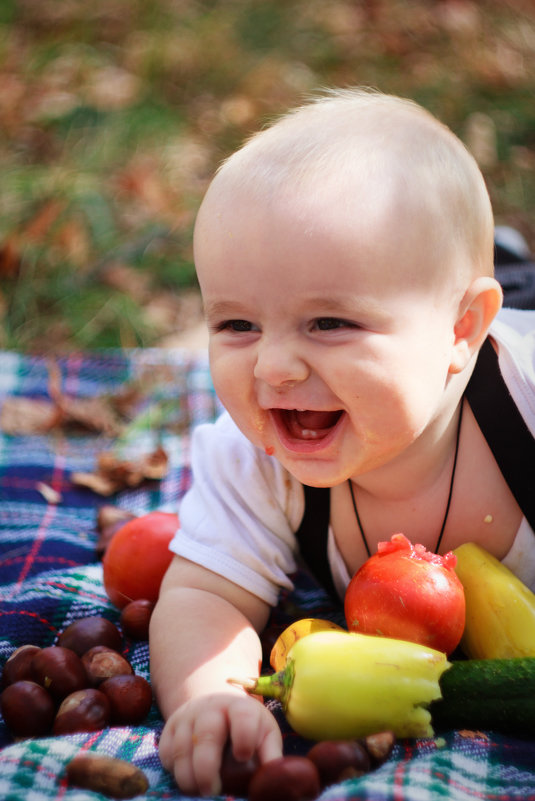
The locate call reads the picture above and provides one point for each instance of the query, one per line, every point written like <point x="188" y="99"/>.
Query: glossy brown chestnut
<point x="135" y="619"/>
<point x="337" y="760"/>
<point x="102" y="663"/>
<point x="27" y="709"/>
<point x="19" y="665"/>
<point x="290" y="778"/>
<point x="83" y="710"/>
<point x="130" y="699"/>
<point x="236" y="776"/>
<point x="84" y="634"/>
<point x="59" y="670"/>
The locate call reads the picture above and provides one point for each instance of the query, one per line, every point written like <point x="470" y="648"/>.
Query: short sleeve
<point x="514" y="331"/>
<point x="239" y="517"/>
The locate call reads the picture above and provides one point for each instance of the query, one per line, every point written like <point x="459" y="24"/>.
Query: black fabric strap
<point x="312" y="536"/>
<point x="502" y="426"/>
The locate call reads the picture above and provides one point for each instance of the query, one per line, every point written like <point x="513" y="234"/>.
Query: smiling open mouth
<point x="305" y="425"/>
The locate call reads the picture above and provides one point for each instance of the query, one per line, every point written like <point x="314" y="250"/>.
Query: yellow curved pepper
<point x="500" y="609"/>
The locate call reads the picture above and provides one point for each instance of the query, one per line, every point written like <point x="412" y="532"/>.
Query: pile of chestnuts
<point x="303" y="778"/>
<point x="80" y="684"/>
<point x="83" y="683"/>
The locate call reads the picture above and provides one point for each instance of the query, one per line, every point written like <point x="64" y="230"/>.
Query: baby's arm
<point x="204" y="631"/>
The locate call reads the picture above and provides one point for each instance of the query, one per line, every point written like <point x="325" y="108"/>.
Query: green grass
<point x="115" y="113"/>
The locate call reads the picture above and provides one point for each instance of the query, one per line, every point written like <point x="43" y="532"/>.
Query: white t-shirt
<point x="240" y="516"/>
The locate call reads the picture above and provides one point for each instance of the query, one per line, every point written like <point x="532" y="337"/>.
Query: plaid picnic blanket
<point x="50" y="576"/>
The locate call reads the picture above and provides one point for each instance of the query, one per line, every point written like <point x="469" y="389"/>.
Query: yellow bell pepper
<point x="340" y="685"/>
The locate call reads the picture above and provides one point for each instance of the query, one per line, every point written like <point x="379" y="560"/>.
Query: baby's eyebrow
<point x="223" y="308"/>
<point x="325" y="306"/>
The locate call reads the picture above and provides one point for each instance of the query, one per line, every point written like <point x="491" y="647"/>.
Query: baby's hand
<point x="194" y="736"/>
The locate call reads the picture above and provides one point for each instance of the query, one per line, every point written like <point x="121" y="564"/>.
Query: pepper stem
<point x="277" y="685"/>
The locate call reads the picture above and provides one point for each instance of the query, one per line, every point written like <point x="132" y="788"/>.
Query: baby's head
<point x="383" y="163"/>
<point x="345" y="256"/>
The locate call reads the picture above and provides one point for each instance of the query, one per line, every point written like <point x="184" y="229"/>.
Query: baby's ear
<point x="478" y="308"/>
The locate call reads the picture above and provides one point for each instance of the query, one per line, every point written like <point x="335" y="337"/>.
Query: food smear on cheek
<point x="269" y="450"/>
<point x="259" y="423"/>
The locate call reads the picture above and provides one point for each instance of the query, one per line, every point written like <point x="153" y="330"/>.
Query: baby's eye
<point x="239" y="326"/>
<point x="331" y="323"/>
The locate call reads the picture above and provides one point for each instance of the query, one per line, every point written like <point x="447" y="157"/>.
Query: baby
<point x="345" y="258"/>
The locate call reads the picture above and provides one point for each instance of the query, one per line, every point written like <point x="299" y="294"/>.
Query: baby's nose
<point x="279" y="365"/>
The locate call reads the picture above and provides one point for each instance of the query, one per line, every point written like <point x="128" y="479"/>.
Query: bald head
<point x="358" y="150"/>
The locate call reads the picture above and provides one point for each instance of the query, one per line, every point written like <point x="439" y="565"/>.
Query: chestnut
<point x="83" y="710"/>
<point x="235" y="775"/>
<point x="135" y="619"/>
<point x="27" y="709"/>
<point x="101" y="663"/>
<point x="19" y="665"/>
<point x="83" y="634"/>
<point x="337" y="760"/>
<point x="130" y="699"/>
<point x="108" y="776"/>
<point x="289" y="778"/>
<point x="59" y="670"/>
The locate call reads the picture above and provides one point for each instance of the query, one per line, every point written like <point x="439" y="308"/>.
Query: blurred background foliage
<point x="115" y="113"/>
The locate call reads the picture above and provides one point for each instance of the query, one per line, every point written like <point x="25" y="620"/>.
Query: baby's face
<point x="327" y="346"/>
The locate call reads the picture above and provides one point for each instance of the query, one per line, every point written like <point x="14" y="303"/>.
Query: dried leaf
<point x="93" y="414"/>
<point x="97" y="482"/>
<point x="10" y="258"/>
<point x="113" y="474"/>
<point x="39" y="226"/>
<point x="473" y="734"/>
<point x="25" y="416"/>
<point x="49" y="493"/>
<point x="156" y="464"/>
<point x="21" y="416"/>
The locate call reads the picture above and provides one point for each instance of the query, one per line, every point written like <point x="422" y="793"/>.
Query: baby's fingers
<point x="176" y="748"/>
<point x="271" y="746"/>
<point x="208" y="739"/>
<point x="253" y="729"/>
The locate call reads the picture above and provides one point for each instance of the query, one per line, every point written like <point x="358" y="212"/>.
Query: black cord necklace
<point x="450" y="493"/>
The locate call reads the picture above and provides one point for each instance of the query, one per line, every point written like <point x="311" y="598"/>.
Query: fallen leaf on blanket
<point x="113" y="474"/>
<point x="25" y="416"/>
<point x="470" y="734"/>
<point x="49" y="493"/>
<point x="94" y="414"/>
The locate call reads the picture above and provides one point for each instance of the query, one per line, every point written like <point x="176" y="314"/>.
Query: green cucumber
<point x="492" y="694"/>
